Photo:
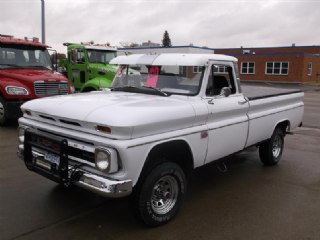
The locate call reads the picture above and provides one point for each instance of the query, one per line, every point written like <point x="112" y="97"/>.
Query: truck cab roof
<point x="6" y="39"/>
<point x="103" y="47"/>
<point x="180" y="59"/>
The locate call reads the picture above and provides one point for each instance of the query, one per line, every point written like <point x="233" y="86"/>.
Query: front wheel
<point x="159" y="196"/>
<point x="3" y="112"/>
<point x="270" y="152"/>
<point x="89" y="89"/>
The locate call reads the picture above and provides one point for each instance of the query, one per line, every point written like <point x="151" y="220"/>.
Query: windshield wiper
<point x="142" y="89"/>
<point x="38" y="66"/>
<point x="11" y="65"/>
<point x="157" y="90"/>
<point x="124" y="88"/>
<point x="19" y="66"/>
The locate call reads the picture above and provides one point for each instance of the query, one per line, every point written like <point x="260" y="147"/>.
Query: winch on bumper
<point x="51" y="158"/>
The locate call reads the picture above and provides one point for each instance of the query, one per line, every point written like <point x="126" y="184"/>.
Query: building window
<point x="220" y="69"/>
<point x="247" y="67"/>
<point x="183" y="71"/>
<point x="309" y="68"/>
<point x="197" y="69"/>
<point x="277" y="68"/>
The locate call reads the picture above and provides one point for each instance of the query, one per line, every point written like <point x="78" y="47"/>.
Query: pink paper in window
<point x="152" y="77"/>
<point x="120" y="70"/>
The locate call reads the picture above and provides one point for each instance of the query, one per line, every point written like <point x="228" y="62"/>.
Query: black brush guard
<point x="53" y="145"/>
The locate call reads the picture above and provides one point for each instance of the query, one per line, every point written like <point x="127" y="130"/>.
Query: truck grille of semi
<point x="50" y="88"/>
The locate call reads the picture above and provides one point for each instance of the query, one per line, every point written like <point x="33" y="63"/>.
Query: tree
<point x="166" y="41"/>
<point x="61" y="56"/>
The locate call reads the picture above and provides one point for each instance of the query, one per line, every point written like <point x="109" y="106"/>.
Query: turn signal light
<point x="28" y="112"/>
<point x="103" y="129"/>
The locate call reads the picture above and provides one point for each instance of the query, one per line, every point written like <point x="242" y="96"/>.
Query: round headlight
<point x="102" y="159"/>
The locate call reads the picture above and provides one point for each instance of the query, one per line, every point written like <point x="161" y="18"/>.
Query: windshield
<point x="100" y="56"/>
<point x="24" y="57"/>
<point x="181" y="80"/>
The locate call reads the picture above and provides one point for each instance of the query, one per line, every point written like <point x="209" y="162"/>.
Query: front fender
<point x="5" y="82"/>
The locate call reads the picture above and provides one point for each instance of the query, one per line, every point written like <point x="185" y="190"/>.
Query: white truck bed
<point x="260" y="92"/>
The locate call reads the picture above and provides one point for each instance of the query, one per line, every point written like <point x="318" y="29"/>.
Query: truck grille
<point x="52" y="145"/>
<point x="50" y="88"/>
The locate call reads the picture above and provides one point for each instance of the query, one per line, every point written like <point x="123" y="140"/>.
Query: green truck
<point x="87" y="65"/>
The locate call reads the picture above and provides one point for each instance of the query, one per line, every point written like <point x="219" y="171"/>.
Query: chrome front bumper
<point x="105" y="187"/>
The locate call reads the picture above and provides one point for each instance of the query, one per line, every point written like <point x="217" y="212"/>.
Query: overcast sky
<point x="211" y="23"/>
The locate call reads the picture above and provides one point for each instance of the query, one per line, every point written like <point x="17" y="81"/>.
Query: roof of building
<point x="207" y="48"/>
<point x="161" y="47"/>
<point x="278" y="47"/>
<point x="275" y="54"/>
<point x="274" y="51"/>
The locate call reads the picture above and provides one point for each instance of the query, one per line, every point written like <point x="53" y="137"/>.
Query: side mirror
<point x="225" y="92"/>
<point x="54" y="58"/>
<point x="74" y="55"/>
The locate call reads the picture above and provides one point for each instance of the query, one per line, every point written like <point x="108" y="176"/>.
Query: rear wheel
<point x="270" y="152"/>
<point x="3" y="112"/>
<point x="159" y="196"/>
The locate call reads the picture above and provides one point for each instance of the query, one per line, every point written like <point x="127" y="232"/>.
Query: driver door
<point x="227" y="121"/>
<point x="77" y="70"/>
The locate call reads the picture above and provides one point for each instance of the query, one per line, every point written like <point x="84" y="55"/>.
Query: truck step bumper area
<point x="51" y="161"/>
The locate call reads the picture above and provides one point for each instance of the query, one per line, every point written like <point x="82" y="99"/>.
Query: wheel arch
<point x="96" y="83"/>
<point x="284" y="125"/>
<point x="177" y="151"/>
<point x="88" y="89"/>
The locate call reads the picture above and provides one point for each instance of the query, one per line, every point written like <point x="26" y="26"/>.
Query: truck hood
<point x="107" y="67"/>
<point x="26" y="76"/>
<point x="129" y="115"/>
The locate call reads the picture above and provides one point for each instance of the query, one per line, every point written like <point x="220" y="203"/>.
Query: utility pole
<point x="43" y="24"/>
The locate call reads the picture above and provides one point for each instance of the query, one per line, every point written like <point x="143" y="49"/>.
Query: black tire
<point x="89" y="89"/>
<point x="3" y="112"/>
<point x="158" y="198"/>
<point x="270" y="152"/>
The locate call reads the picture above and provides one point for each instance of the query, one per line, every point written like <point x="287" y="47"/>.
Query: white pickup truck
<point x="164" y="116"/>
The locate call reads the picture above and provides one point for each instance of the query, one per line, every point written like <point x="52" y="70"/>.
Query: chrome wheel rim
<point x="277" y="146"/>
<point x="1" y="111"/>
<point x="164" y="195"/>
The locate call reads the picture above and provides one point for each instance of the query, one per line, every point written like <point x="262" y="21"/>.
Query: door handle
<point x="209" y="100"/>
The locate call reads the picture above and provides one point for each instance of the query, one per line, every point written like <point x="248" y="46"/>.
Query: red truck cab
<point x="26" y="72"/>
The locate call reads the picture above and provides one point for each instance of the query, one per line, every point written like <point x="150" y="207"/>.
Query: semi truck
<point x="26" y="72"/>
<point x="87" y="65"/>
